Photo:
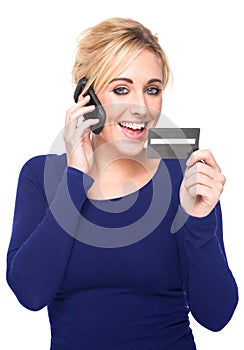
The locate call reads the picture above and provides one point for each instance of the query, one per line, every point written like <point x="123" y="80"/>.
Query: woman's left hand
<point x="202" y="184"/>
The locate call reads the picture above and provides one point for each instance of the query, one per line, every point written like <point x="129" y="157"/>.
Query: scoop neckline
<point x="116" y="199"/>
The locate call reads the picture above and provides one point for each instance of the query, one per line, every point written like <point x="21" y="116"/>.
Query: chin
<point x="130" y="148"/>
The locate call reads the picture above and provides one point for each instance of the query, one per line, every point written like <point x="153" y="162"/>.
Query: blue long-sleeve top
<point x="119" y="274"/>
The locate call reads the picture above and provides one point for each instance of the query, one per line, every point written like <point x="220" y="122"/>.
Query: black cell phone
<point x="98" y="113"/>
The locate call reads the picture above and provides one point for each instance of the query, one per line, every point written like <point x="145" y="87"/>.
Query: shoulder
<point x="40" y="161"/>
<point x="37" y="166"/>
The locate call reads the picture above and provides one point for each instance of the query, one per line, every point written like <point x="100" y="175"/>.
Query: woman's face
<point x="132" y="102"/>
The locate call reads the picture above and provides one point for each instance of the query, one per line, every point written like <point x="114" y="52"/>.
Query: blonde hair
<point x="106" y="49"/>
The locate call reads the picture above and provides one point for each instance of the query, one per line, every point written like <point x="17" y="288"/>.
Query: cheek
<point x="154" y="103"/>
<point x="155" y="107"/>
<point x="114" y="110"/>
<point x="155" y="115"/>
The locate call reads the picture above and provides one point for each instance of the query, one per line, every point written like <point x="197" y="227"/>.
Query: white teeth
<point x="133" y="126"/>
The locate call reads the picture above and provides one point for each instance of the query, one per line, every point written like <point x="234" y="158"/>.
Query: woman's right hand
<point x="77" y="132"/>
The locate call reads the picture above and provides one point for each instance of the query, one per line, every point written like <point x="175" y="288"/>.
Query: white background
<point x="204" y="44"/>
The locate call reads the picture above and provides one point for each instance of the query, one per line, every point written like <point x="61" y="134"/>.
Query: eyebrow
<point x="130" y="81"/>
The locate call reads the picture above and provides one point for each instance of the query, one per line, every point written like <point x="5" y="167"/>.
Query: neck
<point x="113" y="161"/>
<point x="116" y="173"/>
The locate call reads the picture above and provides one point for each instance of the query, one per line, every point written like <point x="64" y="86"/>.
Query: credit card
<point x="168" y="143"/>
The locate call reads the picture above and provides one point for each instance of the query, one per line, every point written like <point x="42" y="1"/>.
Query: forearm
<point x="211" y="289"/>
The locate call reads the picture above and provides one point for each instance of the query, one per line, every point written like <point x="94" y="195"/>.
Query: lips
<point x="133" y="130"/>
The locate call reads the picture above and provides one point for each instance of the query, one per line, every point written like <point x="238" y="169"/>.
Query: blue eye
<point x="153" y="91"/>
<point x="121" y="90"/>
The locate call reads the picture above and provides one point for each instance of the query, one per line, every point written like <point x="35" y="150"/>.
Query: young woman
<point x="119" y="247"/>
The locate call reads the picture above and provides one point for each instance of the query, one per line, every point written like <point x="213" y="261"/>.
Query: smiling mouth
<point x="133" y="130"/>
<point x="134" y="127"/>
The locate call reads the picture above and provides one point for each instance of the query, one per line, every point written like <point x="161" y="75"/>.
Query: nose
<point x="138" y="106"/>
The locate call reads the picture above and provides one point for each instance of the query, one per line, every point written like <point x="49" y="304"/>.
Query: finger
<point x="85" y="125"/>
<point x="199" y="169"/>
<point x="76" y="119"/>
<point x="204" y="180"/>
<point x="203" y="168"/>
<point x="207" y="195"/>
<point x="205" y="156"/>
<point x="81" y="103"/>
<point x="82" y="130"/>
<point x="80" y="136"/>
<point x="82" y="98"/>
<point x="202" y="173"/>
<point x="73" y="124"/>
<point x="197" y="179"/>
<point x="197" y="186"/>
<point x="78" y="112"/>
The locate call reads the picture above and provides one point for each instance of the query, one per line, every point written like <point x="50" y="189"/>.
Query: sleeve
<point x="211" y="290"/>
<point x="43" y="234"/>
